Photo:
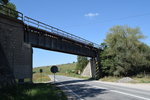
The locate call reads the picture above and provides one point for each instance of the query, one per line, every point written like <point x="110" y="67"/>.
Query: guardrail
<point x="57" y="31"/>
<point x="10" y="12"/>
<point x="18" y="15"/>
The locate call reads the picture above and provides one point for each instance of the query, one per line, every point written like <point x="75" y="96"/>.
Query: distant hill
<point x="63" y="68"/>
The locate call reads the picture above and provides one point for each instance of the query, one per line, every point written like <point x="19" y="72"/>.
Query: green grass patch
<point x="40" y="91"/>
<point x="64" y="69"/>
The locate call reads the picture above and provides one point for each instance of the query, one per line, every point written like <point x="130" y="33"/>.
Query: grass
<point x="69" y="70"/>
<point x="40" y="91"/>
<point x="145" y="79"/>
<point x="40" y="77"/>
<point x="110" y="79"/>
<point x="43" y="77"/>
<point x="64" y="69"/>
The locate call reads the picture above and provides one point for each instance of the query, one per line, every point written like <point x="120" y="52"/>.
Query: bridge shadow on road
<point x="82" y="88"/>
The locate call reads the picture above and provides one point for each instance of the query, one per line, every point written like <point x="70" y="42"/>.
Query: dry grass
<point x="145" y="79"/>
<point x="40" y="77"/>
<point x="64" y="69"/>
<point x="110" y="79"/>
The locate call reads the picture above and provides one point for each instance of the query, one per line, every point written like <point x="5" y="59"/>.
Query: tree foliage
<point x="81" y="63"/>
<point x="10" y="10"/>
<point x="4" y="1"/>
<point x="123" y="53"/>
<point x="11" y="6"/>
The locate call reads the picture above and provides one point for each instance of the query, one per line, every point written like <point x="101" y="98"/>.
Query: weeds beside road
<point x="40" y="91"/>
<point x="40" y="77"/>
<point x="145" y="79"/>
<point x="69" y="70"/>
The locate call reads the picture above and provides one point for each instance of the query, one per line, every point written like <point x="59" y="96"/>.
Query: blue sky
<point x="90" y="19"/>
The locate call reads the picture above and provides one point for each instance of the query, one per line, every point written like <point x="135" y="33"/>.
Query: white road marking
<point x="111" y="85"/>
<point x="130" y="95"/>
<point x="70" y="90"/>
<point x="99" y="87"/>
<point x="124" y="93"/>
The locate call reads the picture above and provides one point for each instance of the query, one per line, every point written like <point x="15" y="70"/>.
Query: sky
<point x="89" y="19"/>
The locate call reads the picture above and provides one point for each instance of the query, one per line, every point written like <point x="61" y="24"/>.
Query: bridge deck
<point x="44" y="36"/>
<point x="50" y="41"/>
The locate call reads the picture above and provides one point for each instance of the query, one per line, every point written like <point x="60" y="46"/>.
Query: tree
<point x="106" y="61"/>
<point x="10" y="10"/>
<point x="124" y="55"/>
<point x="4" y="1"/>
<point x="81" y="63"/>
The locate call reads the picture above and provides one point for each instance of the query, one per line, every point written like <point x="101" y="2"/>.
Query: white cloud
<point x="91" y="14"/>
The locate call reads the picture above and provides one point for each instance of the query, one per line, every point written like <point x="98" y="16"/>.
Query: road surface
<point x="80" y="89"/>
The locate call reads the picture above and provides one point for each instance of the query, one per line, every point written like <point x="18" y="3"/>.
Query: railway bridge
<point x="19" y="34"/>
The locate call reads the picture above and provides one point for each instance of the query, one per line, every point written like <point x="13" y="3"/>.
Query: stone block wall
<point x="15" y="55"/>
<point x="90" y="69"/>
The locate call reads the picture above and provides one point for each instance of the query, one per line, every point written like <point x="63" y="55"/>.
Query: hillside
<point x="64" y="69"/>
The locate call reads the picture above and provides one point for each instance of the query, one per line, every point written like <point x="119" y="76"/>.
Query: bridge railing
<point x="29" y="21"/>
<point x="38" y="24"/>
<point x="11" y="12"/>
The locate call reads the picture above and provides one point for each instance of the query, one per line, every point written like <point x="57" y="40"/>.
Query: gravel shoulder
<point x="142" y="86"/>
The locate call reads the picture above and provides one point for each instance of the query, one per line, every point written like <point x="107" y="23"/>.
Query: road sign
<point x="41" y="70"/>
<point x="54" y="69"/>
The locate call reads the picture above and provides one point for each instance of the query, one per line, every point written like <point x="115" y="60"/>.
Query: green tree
<point x="10" y="10"/>
<point x="81" y="63"/>
<point x="125" y="54"/>
<point x="106" y="60"/>
<point x="4" y="1"/>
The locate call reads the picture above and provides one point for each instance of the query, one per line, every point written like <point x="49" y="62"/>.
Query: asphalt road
<point x="80" y="89"/>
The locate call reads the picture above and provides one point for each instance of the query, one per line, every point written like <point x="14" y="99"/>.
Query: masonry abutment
<point x="16" y="56"/>
<point x="90" y="69"/>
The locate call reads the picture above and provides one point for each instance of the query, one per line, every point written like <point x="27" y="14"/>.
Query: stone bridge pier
<point x="15" y="55"/>
<point x="92" y="69"/>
